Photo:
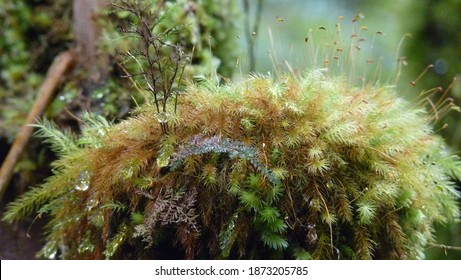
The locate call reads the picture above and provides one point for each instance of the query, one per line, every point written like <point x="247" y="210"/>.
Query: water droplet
<point x="101" y="131"/>
<point x="85" y="246"/>
<point x="90" y="204"/>
<point x="50" y="251"/>
<point x="163" y="117"/>
<point x="128" y="172"/>
<point x="441" y="66"/>
<point x="83" y="181"/>
<point x="99" y="93"/>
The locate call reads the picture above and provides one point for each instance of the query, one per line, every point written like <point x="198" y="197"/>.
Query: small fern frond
<point x="228" y="236"/>
<point x="167" y="146"/>
<point x="115" y="206"/>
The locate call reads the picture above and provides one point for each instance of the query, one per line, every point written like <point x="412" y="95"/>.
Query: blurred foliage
<point x="206" y="27"/>
<point x="31" y="34"/>
<point x="435" y="39"/>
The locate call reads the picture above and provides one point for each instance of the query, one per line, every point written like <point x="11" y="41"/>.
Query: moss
<point x="34" y="32"/>
<point x="358" y="174"/>
<point x="302" y="166"/>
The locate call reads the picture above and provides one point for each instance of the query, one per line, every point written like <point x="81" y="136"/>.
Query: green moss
<point x="325" y="170"/>
<point x="34" y="32"/>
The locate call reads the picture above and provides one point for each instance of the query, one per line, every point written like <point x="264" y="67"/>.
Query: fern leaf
<point x="115" y="206"/>
<point x="228" y="236"/>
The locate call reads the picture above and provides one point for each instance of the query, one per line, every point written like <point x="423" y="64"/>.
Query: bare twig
<point x="164" y="62"/>
<point x="61" y="64"/>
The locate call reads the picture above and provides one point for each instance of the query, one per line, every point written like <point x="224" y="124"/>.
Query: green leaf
<point x="116" y="206"/>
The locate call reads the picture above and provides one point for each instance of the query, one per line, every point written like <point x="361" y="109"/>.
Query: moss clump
<point x="306" y="167"/>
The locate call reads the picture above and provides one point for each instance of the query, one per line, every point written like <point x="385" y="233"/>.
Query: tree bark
<point x="87" y="34"/>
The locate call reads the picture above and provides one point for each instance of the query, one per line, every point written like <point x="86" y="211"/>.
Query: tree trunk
<point x="87" y="34"/>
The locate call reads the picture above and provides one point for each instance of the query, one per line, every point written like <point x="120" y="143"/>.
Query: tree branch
<point x="61" y="64"/>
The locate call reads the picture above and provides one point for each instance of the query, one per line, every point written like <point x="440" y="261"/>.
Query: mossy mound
<point x="304" y="167"/>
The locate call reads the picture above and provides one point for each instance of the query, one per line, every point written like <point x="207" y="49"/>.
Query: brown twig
<point x="61" y="64"/>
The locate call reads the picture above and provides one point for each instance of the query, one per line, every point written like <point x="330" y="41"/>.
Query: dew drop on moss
<point x="163" y="160"/>
<point x="83" y="181"/>
<point x="92" y="203"/>
<point x="163" y="117"/>
<point x="128" y="172"/>
<point x="50" y="251"/>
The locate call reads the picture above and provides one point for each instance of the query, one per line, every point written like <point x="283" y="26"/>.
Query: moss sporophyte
<point x="306" y="165"/>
